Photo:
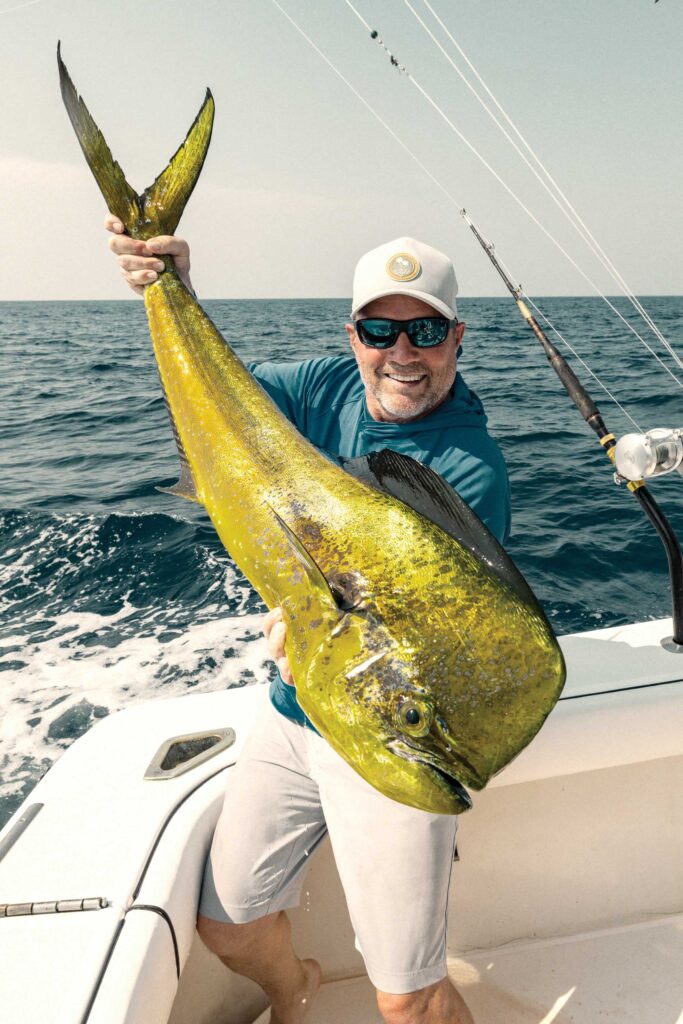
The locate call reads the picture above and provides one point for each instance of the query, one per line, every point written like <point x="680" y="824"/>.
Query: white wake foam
<point x="81" y="669"/>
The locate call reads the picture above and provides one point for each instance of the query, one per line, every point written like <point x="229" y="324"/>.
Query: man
<point x="400" y="390"/>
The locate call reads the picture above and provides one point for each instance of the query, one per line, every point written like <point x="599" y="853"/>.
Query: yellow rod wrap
<point x="607" y="438"/>
<point x="634" y="485"/>
<point x="524" y="309"/>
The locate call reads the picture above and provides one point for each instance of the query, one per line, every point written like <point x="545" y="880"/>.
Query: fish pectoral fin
<point x="312" y="570"/>
<point x="420" y="487"/>
<point x="159" y="208"/>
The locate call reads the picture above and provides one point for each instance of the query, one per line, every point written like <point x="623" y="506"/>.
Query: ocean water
<point x="112" y="593"/>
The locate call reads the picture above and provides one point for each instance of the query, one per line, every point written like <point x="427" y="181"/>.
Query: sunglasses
<point x="423" y="331"/>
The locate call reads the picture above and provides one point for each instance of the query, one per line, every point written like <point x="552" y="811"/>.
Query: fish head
<point x="363" y="694"/>
<point x="423" y="714"/>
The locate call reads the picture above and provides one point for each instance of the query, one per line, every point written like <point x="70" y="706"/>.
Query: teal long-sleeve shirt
<point x="325" y="400"/>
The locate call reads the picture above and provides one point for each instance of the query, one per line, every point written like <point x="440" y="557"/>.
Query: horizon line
<point x="347" y="298"/>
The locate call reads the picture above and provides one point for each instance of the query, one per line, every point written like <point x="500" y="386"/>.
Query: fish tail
<point x="157" y="210"/>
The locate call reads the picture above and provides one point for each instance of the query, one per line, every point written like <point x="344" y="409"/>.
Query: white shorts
<point x="288" y="789"/>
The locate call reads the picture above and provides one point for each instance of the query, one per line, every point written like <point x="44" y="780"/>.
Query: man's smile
<point x="409" y="379"/>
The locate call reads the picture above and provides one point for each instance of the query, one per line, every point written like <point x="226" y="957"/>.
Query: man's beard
<point x="406" y="406"/>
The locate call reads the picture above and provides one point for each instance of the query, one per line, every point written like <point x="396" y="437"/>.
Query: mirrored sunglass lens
<point x="426" y="333"/>
<point x="377" y="332"/>
<point x="378" y="328"/>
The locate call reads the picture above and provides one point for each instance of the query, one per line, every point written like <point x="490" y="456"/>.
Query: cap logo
<point x="403" y="267"/>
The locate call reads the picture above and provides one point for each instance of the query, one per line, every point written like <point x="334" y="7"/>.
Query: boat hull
<point x="568" y="852"/>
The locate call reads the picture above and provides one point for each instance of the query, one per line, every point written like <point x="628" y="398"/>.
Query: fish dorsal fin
<point x="422" y="489"/>
<point x="185" y="487"/>
<point x="314" y="573"/>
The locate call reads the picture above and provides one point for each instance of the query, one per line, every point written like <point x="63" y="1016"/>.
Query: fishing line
<point x="451" y="198"/>
<point x="20" y="7"/>
<point x="510" y="192"/>
<point x="576" y="355"/>
<point x="558" y="194"/>
<point x="576" y="391"/>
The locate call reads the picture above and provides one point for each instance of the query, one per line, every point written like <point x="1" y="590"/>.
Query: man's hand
<point x="139" y="261"/>
<point x="274" y="629"/>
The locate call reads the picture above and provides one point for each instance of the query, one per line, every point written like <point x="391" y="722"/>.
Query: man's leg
<point x="270" y="825"/>
<point x="262" y="950"/>
<point x="436" y="1004"/>
<point x="395" y="864"/>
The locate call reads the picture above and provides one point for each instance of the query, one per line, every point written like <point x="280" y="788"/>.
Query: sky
<point x="301" y="179"/>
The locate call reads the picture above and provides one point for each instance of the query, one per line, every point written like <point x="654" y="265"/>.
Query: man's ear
<point x="351" y="331"/>
<point x="458" y="332"/>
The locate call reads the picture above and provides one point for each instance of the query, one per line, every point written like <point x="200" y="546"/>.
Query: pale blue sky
<point x="300" y="179"/>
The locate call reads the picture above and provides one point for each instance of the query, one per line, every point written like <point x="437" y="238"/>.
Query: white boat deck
<point x="629" y="975"/>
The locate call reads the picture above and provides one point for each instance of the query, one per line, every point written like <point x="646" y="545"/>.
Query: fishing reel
<point x="640" y="456"/>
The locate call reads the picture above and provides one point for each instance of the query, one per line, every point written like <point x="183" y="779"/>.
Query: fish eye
<point x="414" y="717"/>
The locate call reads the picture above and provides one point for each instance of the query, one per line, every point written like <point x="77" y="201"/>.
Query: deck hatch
<point x="181" y="753"/>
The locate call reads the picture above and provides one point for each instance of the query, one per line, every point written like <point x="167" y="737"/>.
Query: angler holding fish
<point x="422" y="661"/>
<point x="413" y="402"/>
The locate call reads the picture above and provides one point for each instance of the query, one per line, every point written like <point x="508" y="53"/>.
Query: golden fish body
<point x="417" y="649"/>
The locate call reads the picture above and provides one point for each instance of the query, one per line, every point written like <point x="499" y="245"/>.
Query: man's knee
<point x="233" y="940"/>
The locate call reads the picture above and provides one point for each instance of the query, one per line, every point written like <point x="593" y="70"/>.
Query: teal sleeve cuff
<point x="283" y="699"/>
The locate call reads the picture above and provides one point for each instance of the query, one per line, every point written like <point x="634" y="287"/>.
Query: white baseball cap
<point x="406" y="267"/>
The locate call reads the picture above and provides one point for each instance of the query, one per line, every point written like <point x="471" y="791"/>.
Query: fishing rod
<point x="665" y="454"/>
<point x="636" y="450"/>
<point x="647" y="454"/>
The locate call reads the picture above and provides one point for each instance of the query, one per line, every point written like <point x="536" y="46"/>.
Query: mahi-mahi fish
<point x="418" y="650"/>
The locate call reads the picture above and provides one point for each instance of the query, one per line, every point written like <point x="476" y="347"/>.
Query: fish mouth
<point x="409" y="753"/>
